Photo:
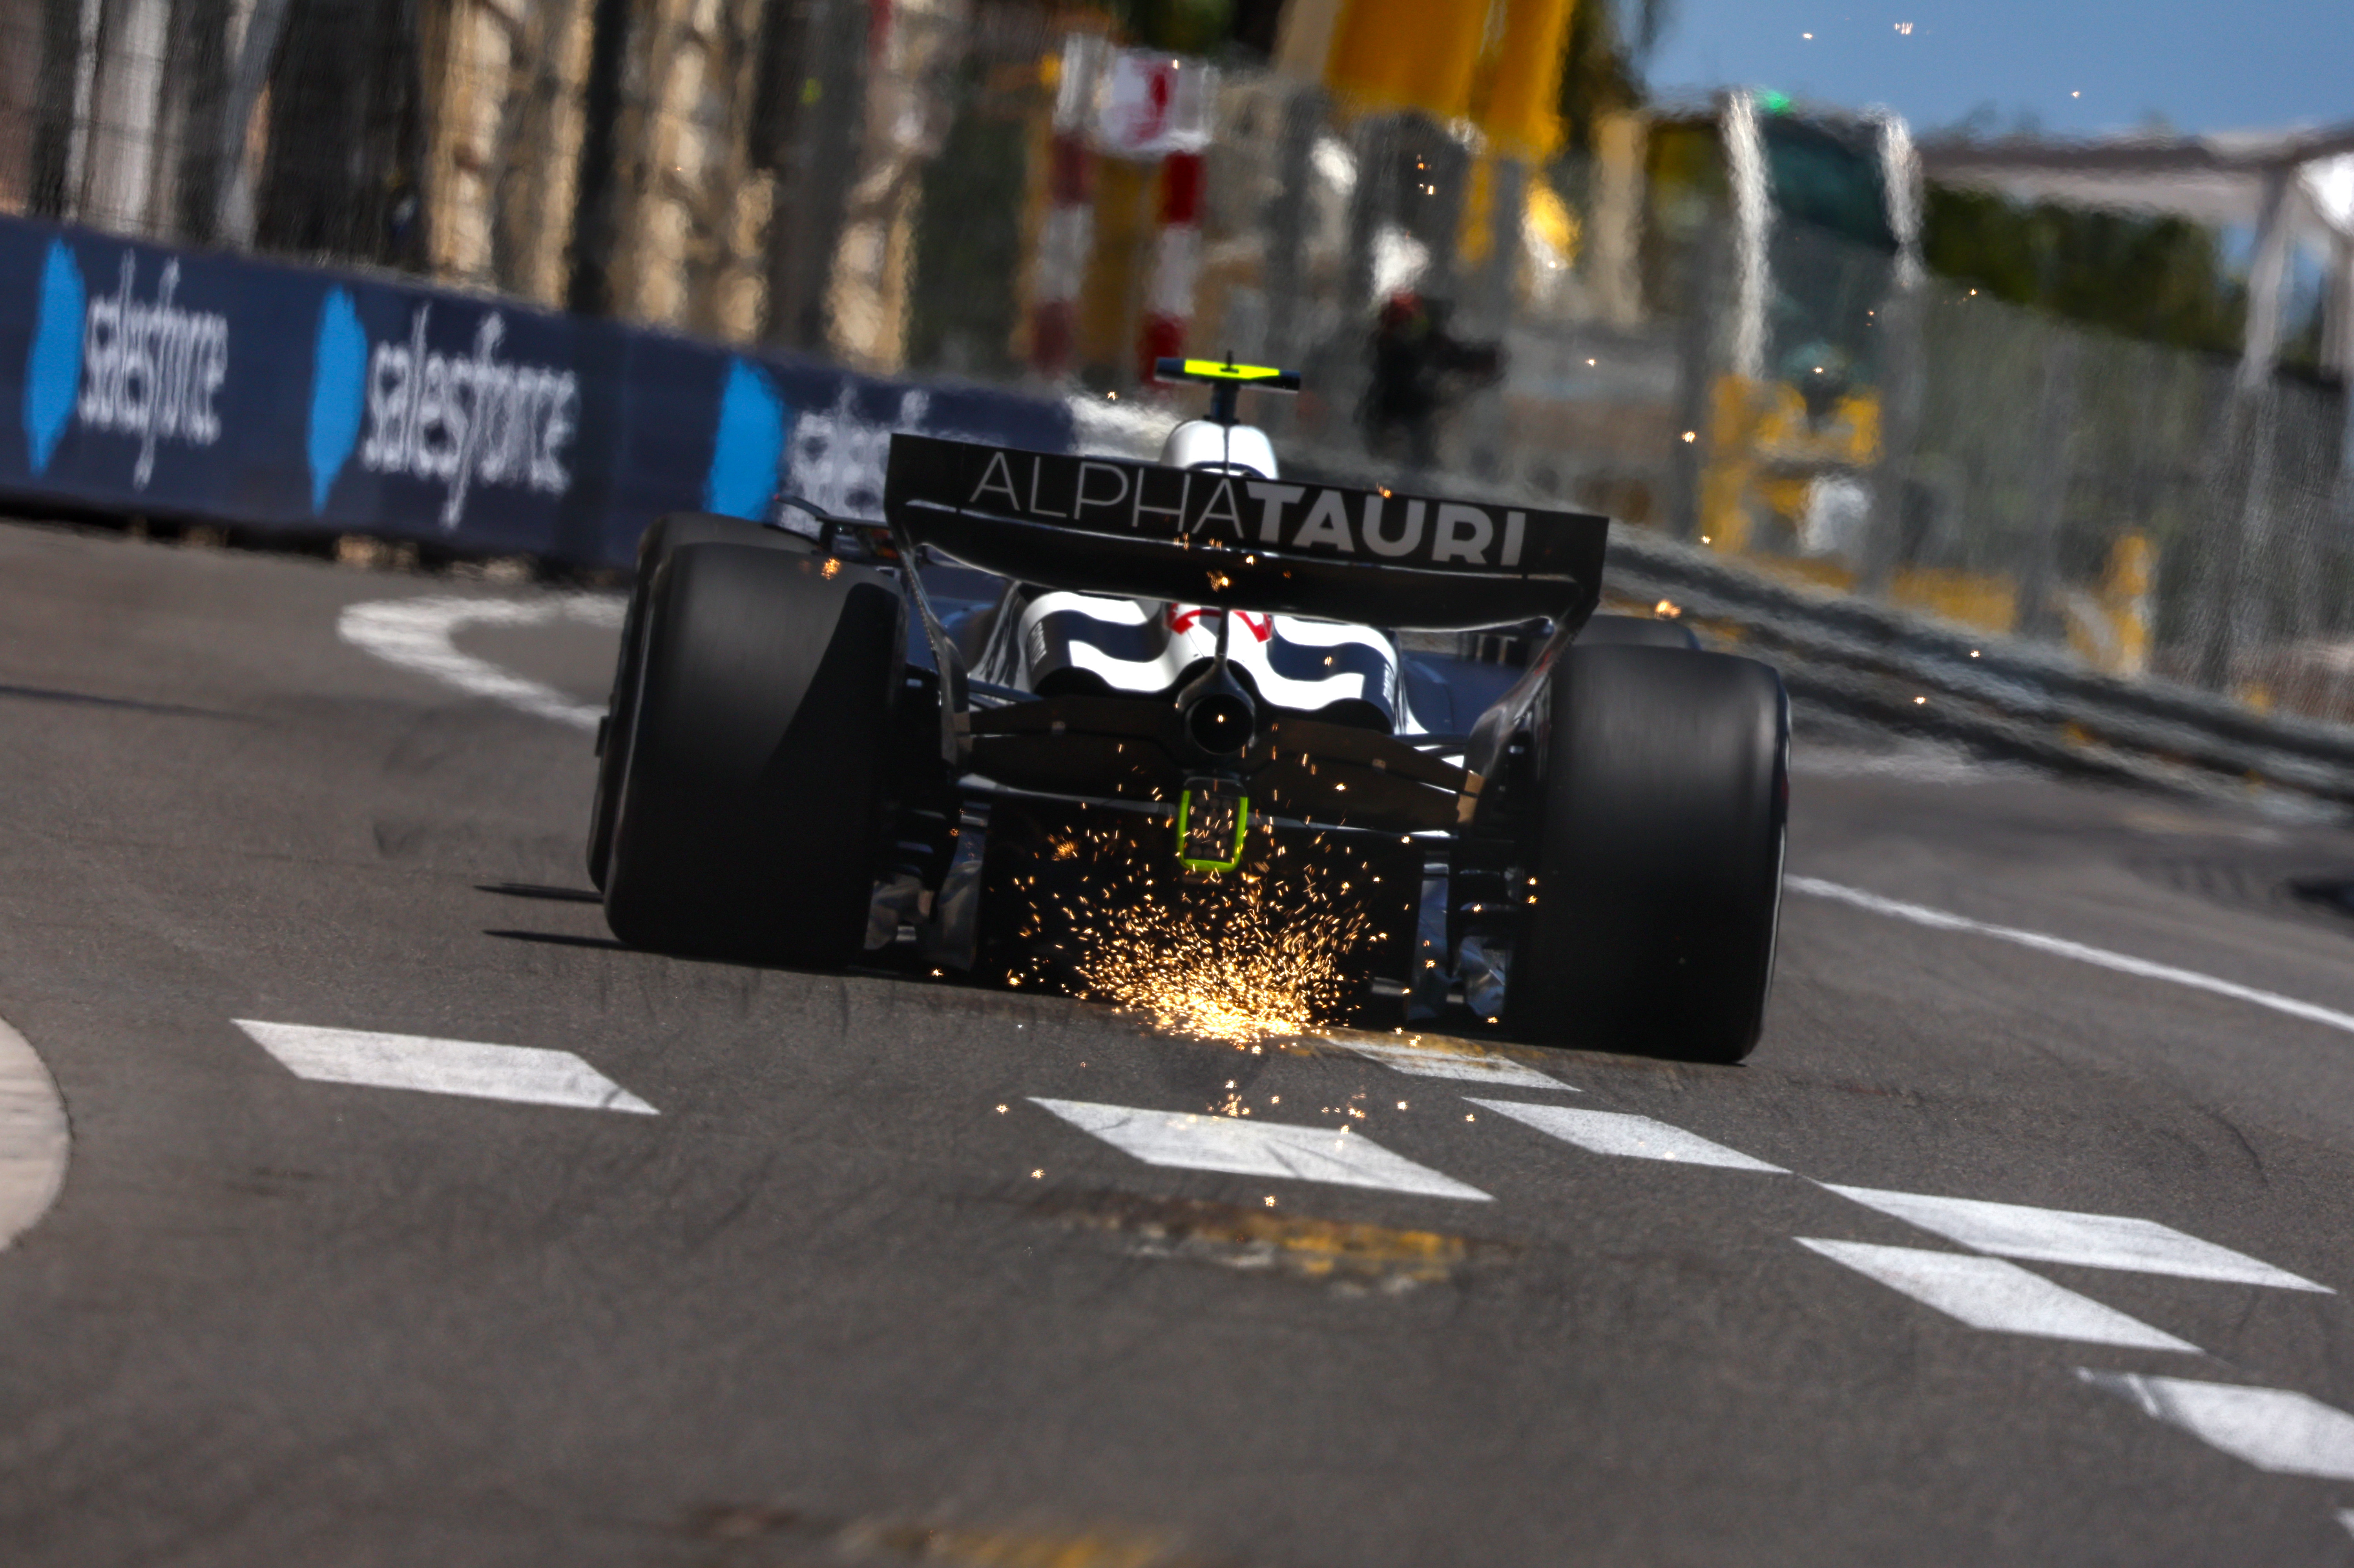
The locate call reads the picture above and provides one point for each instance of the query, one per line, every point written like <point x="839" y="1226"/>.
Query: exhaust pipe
<point x="1217" y="713"/>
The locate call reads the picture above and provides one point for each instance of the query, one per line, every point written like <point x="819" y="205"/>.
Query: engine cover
<point x="1055" y="641"/>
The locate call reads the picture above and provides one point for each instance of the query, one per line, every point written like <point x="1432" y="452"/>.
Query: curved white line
<point x="415" y="633"/>
<point x="2058" y="947"/>
<point x="34" y="1137"/>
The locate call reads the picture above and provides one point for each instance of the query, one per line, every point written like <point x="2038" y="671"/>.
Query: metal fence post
<point x="1902" y="374"/>
<point x="1287" y="225"/>
<point x="2241" y="500"/>
<point x="2051" y="473"/>
<point x="814" y="173"/>
<point x="233" y="198"/>
<point x="200" y="88"/>
<point x="1488" y="312"/>
<point x="1707" y="274"/>
<point x="51" y="181"/>
<point x="1340" y="369"/>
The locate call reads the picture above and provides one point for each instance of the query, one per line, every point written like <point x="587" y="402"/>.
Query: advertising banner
<point x="146" y="380"/>
<point x="121" y="371"/>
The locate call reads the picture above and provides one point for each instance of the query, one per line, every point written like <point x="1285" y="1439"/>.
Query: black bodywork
<point x="1431" y="809"/>
<point x="1233" y="541"/>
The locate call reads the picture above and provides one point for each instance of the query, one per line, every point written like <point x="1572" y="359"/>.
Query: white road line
<point x="415" y="633"/>
<point x="1256" y="1148"/>
<point x="2090" y="1241"/>
<point x="1619" y="1132"/>
<point x="2124" y="963"/>
<point x="33" y="1137"/>
<point x="1923" y="764"/>
<point x="2273" y="1429"/>
<point x="2346" y="1518"/>
<point x="1453" y="1060"/>
<point x="522" y="1073"/>
<point x="1987" y="1293"/>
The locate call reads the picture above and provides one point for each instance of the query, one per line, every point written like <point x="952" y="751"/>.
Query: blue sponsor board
<point x="775" y="423"/>
<point x="453" y="419"/>
<point x="143" y="379"/>
<point x="117" y="361"/>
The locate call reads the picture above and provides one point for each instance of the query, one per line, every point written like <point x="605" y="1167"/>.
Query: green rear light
<point x="1184" y="821"/>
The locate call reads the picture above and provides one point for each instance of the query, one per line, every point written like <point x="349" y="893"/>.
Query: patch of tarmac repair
<point x="1351" y="1259"/>
<point x="879" y="1542"/>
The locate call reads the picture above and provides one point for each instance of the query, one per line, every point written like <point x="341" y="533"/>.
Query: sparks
<point x="1260" y="954"/>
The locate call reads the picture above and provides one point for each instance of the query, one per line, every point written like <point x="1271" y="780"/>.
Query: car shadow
<point x="539" y="890"/>
<point x="560" y="939"/>
<point x="128" y="704"/>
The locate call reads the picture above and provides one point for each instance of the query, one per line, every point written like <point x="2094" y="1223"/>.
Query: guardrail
<point x="2001" y="695"/>
<point x="219" y="389"/>
<point x="1902" y="670"/>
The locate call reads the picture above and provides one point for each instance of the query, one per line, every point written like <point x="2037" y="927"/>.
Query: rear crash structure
<point x="853" y="743"/>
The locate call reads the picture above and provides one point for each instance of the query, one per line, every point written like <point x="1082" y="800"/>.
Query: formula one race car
<point x="1175" y="681"/>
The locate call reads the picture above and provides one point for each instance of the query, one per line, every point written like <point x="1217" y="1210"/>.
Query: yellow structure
<point x="1984" y="601"/>
<point x="1519" y="108"/>
<point x="1765" y="453"/>
<point x="2109" y="628"/>
<point x="1766" y="449"/>
<point x="1495" y="63"/>
<point x="1408" y="54"/>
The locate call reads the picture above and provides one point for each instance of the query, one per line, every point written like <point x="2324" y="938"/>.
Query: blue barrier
<point x="140" y="378"/>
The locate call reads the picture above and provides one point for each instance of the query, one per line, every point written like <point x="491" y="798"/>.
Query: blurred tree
<point x="969" y="234"/>
<point x="1602" y="71"/>
<point x="53" y="127"/>
<point x="199" y="87"/>
<point x="1181" y="26"/>
<point x="347" y="135"/>
<point x="2160" y="279"/>
<point x="1256" y="24"/>
<point x="807" y="116"/>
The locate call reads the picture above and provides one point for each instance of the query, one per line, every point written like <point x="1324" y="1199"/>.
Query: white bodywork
<point x="1205" y="443"/>
<point x="1069" y="640"/>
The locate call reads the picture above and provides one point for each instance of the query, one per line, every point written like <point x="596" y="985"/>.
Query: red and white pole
<point x="1176" y="261"/>
<point x="1068" y="233"/>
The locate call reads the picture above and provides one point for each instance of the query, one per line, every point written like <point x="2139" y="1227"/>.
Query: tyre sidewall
<point x="760" y="722"/>
<point x="667" y="533"/>
<point x="1659" y="822"/>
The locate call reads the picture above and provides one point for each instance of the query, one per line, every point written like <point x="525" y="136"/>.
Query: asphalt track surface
<point x="852" y="1295"/>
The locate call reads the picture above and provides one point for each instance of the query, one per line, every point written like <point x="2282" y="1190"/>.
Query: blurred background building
<point x="2091" y="393"/>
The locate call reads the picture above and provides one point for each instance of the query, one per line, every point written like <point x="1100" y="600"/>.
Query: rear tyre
<point x="1662" y="789"/>
<point x="761" y="713"/>
<point x="670" y="532"/>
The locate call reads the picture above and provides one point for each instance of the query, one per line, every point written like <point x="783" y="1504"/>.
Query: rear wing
<point x="1235" y="540"/>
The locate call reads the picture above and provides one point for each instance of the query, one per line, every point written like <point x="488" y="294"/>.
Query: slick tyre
<point x="671" y="532"/>
<point x="745" y="814"/>
<point x="1661" y="793"/>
